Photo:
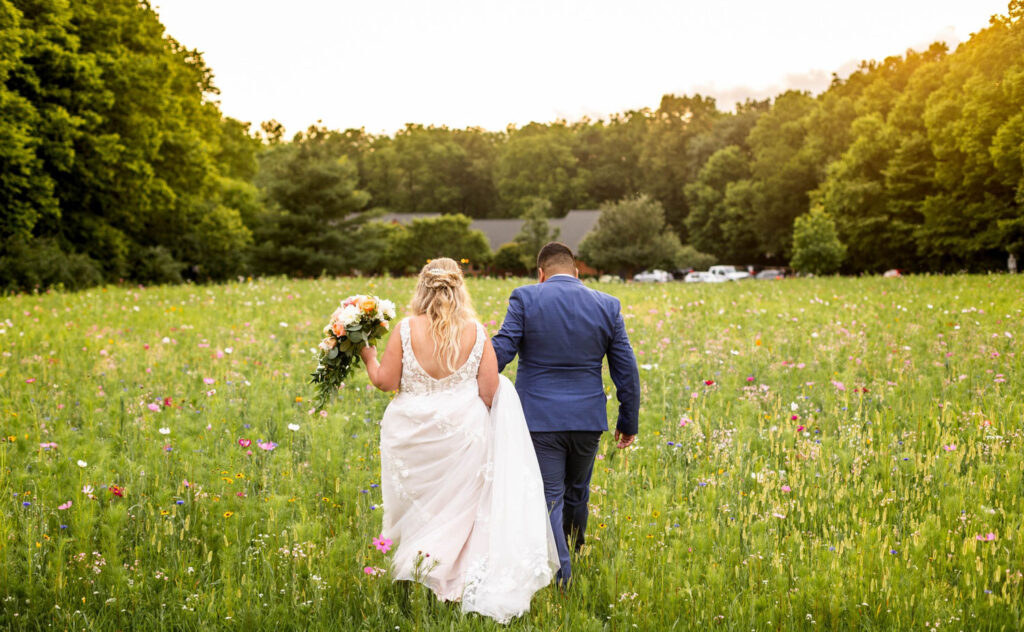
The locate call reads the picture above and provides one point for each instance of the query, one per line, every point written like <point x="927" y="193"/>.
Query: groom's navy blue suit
<point x="562" y="332"/>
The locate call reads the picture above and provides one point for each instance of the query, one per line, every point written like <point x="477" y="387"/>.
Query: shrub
<point x="41" y="263"/>
<point x="816" y="245"/>
<point x="509" y="259"/>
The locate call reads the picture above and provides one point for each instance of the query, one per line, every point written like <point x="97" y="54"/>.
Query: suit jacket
<point x="562" y="331"/>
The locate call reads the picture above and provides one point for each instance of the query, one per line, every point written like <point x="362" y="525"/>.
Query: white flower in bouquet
<point x="385" y="310"/>
<point x="348" y="315"/>
<point x="361" y="320"/>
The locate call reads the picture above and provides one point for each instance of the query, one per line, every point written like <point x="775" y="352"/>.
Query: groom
<point x="562" y="331"/>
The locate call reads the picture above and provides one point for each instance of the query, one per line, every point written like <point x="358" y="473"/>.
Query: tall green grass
<point x="814" y="454"/>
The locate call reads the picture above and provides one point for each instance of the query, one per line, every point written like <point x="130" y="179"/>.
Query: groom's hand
<point x="623" y="440"/>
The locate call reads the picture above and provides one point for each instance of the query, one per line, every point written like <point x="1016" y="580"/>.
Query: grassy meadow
<point x="814" y="454"/>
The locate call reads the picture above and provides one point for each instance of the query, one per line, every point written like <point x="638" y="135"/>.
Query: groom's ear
<point x="540" y="275"/>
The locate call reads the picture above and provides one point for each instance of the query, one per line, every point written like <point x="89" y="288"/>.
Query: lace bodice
<point x="417" y="382"/>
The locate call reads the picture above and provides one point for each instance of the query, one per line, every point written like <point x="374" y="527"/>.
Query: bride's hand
<point x="368" y="353"/>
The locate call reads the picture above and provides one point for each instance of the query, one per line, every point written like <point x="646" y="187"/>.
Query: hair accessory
<point x="437" y="279"/>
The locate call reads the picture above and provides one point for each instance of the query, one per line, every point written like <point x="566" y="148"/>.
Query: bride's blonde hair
<point x="441" y="294"/>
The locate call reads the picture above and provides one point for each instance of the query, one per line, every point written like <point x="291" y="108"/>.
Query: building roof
<point x="571" y="228"/>
<point x="575" y="226"/>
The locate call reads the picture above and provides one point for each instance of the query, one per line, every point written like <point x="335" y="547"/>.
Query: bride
<point x="462" y="493"/>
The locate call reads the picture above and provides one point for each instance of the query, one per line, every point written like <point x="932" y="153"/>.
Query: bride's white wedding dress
<point x="462" y="492"/>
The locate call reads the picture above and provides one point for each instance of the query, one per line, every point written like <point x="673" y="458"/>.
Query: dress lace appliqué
<point x="416" y="381"/>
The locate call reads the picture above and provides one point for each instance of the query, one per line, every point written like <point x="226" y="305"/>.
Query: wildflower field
<point x="814" y="454"/>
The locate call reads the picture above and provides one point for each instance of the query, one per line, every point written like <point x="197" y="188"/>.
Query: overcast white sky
<point x="379" y="64"/>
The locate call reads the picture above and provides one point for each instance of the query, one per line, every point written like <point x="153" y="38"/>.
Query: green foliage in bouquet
<point x="360" y="322"/>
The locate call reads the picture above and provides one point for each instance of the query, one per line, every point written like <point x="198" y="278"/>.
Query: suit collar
<point x="562" y="278"/>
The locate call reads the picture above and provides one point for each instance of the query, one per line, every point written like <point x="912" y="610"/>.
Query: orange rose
<point x="367" y="305"/>
<point x="338" y="329"/>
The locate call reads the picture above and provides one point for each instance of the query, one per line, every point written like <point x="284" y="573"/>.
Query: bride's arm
<point x="487" y="376"/>
<point x="386" y="374"/>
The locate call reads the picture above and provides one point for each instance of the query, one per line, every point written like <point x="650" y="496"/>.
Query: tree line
<point x="117" y="163"/>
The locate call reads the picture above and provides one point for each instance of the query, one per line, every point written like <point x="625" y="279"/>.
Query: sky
<point x="379" y="64"/>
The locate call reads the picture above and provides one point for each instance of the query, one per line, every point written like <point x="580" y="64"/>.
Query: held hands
<point x="623" y="440"/>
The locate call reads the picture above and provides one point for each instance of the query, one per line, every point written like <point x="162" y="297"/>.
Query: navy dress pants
<point x="566" y="461"/>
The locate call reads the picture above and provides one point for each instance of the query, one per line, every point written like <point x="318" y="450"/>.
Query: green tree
<point x="608" y="155"/>
<point x="712" y="225"/>
<point x="445" y="236"/>
<point x="536" y="232"/>
<point x="476" y="181"/>
<point x="690" y="257"/>
<point x="816" y="245"/>
<point x="373" y="247"/>
<point x="128" y="152"/>
<point x="315" y="207"/>
<point x="538" y="162"/>
<point x="742" y="202"/>
<point x="429" y="169"/>
<point x="509" y="259"/>
<point x="783" y="172"/>
<point x="669" y="158"/>
<point x="854" y="193"/>
<point x="970" y="121"/>
<point x="631" y="235"/>
<point x="26" y="191"/>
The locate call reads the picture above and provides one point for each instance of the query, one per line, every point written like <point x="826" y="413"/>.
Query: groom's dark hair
<point x="556" y="255"/>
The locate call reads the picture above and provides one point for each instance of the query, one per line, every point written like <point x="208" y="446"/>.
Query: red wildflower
<point x="117" y="491"/>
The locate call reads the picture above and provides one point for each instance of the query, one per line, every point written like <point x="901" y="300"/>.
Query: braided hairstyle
<point x="441" y="294"/>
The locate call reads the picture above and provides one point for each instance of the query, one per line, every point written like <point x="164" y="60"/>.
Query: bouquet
<point x="359" y="322"/>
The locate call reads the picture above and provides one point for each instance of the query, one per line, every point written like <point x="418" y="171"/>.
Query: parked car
<point x="702" y="277"/>
<point x="679" y="274"/>
<point x="610" y="278"/>
<point x="728" y="273"/>
<point x="770" y="275"/>
<point x="653" y="276"/>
